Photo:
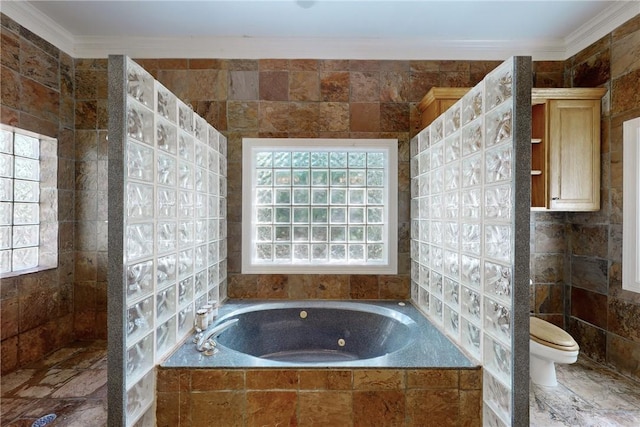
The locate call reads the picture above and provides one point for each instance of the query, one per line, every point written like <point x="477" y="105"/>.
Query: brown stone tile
<point x="378" y="379"/>
<point x="304" y="86"/>
<point x="10" y="89"/>
<point x="272" y="286"/>
<point x="10" y="318"/>
<point x="8" y="116"/>
<point x="86" y="114"/>
<point x="9" y="354"/>
<point x="589" y="273"/>
<point x="394" y="117"/>
<point x="470" y="408"/>
<point x="421" y="82"/>
<point x="471" y="379"/>
<point x="479" y="69"/>
<point x="270" y="379"/>
<point x="589" y="240"/>
<point x="204" y="63"/>
<point x="592" y="340"/>
<point x="273" y="64"/>
<point x="549" y="298"/>
<point x="242" y="64"/>
<point x="364" y="117"/>
<point x="217" y="379"/>
<point x="622" y="354"/>
<point x="549" y="237"/>
<point x="624" y="319"/>
<point x="394" y="86"/>
<point x="177" y="81"/>
<point x="243" y="286"/>
<point x="333" y="117"/>
<point x="274" y="85"/>
<point x="225" y="407"/>
<point x="454" y="79"/>
<point x="173" y="64"/>
<point x="273" y="116"/>
<point x="365" y="86"/>
<point x="167" y="409"/>
<point x="595" y="48"/>
<point x="327" y="408"/>
<point x="433" y="407"/>
<point x="334" y="86"/>
<point x="39" y="100"/>
<point x="433" y="378"/>
<point x="593" y="72"/>
<point x="10" y="47"/>
<point x="624" y="95"/>
<point x="319" y="379"/>
<point x="589" y="306"/>
<point x="549" y="268"/>
<point x="38" y="66"/>
<point x="334" y="65"/>
<point x="378" y="408"/>
<point x="394" y="287"/>
<point x="364" y="65"/>
<point x="363" y="287"/>
<point x="303" y="117"/>
<point x="207" y="85"/>
<point x="242" y="115"/>
<point x="272" y="408"/>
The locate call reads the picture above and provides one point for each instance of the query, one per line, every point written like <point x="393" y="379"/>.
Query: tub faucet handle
<point x="214" y="332"/>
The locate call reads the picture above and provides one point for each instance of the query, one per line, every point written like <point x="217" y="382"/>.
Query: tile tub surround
<point x="331" y="397"/>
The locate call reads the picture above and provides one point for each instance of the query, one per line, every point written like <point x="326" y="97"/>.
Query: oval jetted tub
<point x="323" y="333"/>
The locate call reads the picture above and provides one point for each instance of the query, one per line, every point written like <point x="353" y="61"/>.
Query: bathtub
<point x="324" y="333"/>
<point x="332" y="363"/>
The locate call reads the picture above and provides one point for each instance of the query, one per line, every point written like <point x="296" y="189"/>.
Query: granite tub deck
<point x="429" y="381"/>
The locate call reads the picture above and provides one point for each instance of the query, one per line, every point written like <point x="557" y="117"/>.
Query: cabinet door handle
<point x="555" y="198"/>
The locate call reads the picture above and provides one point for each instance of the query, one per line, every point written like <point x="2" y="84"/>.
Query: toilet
<point x="548" y="345"/>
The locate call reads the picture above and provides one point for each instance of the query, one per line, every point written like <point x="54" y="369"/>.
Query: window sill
<point x="27" y="271"/>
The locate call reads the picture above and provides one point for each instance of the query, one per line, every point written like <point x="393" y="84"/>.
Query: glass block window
<point x="310" y="205"/>
<point x="21" y="212"/>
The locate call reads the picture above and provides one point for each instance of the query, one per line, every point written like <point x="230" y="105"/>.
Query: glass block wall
<point x="469" y="207"/>
<point x="167" y="168"/>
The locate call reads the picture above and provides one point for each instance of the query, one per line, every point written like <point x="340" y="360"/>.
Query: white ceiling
<point x="414" y="29"/>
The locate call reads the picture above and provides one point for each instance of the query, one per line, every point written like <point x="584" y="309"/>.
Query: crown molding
<point x="600" y="25"/>
<point x="318" y="48"/>
<point x="40" y="24"/>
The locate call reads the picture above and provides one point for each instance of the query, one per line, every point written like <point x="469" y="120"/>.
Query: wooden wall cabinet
<point x="565" y="144"/>
<point x="565" y="149"/>
<point x="437" y="101"/>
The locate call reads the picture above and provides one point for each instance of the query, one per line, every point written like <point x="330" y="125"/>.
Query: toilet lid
<point x="550" y="335"/>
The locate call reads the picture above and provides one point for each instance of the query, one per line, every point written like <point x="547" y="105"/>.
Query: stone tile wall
<point x="603" y="317"/>
<point x="317" y="98"/>
<point x="91" y="199"/>
<point x="37" y="94"/>
<point x="331" y="397"/>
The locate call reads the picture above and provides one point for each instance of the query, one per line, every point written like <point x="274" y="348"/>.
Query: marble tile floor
<point x="587" y="395"/>
<point x="71" y="383"/>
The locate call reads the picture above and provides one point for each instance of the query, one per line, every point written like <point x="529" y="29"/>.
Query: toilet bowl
<point x="548" y="345"/>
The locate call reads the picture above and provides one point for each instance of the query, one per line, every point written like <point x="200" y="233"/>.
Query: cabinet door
<point x="574" y="155"/>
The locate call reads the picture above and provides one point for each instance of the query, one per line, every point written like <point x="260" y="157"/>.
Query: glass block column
<point x="470" y="232"/>
<point x="167" y="226"/>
